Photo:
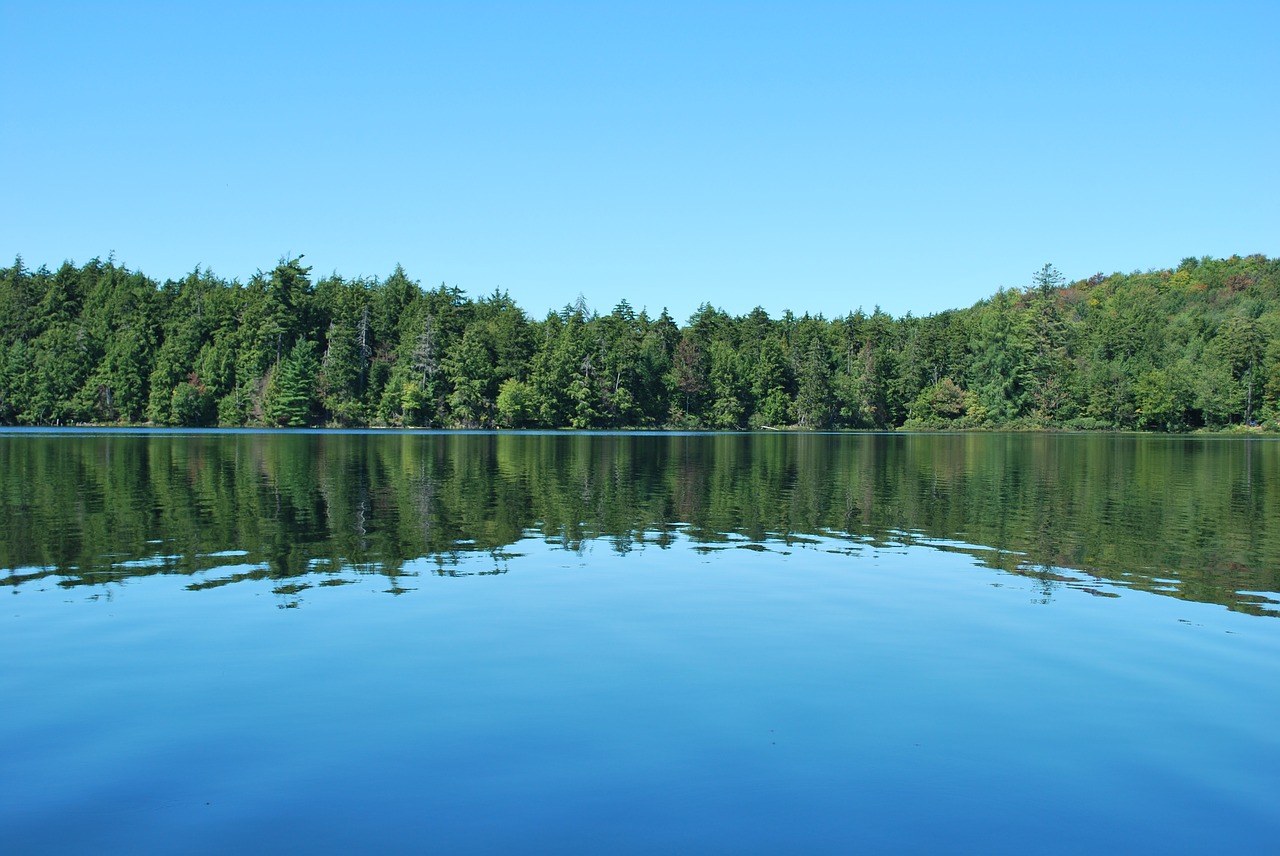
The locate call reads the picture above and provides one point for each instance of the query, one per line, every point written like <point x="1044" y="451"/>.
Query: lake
<point x="639" y="643"/>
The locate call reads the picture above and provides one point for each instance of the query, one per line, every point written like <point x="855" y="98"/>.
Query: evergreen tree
<point x="814" y="399"/>
<point x="292" y="390"/>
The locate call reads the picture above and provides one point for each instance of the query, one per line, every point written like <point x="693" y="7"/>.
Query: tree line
<point x="1197" y="346"/>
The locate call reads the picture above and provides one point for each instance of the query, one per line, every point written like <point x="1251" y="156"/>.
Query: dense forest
<point x="1170" y="350"/>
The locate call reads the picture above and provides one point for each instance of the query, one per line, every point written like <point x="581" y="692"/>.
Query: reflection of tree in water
<point x="1190" y="518"/>
<point x="424" y="500"/>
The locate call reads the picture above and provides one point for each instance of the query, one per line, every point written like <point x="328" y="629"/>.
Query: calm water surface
<point x="639" y="643"/>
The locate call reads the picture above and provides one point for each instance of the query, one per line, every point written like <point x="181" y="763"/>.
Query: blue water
<point x="822" y="697"/>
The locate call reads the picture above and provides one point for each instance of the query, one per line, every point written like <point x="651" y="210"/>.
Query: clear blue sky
<point x="812" y="156"/>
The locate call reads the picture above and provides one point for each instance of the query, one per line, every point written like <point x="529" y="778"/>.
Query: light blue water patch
<point x="665" y="700"/>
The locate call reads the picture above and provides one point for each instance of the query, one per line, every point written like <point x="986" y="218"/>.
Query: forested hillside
<point x="1194" y="347"/>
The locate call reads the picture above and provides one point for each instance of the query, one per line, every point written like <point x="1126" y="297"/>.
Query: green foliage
<point x="291" y="392"/>
<point x="470" y="371"/>
<point x="1173" y="350"/>
<point x="190" y="404"/>
<point x="814" y="397"/>
<point x="941" y="404"/>
<point x="768" y="374"/>
<point x="515" y="404"/>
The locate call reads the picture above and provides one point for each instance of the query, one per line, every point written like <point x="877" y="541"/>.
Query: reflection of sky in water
<point x="817" y="696"/>
<point x="466" y="560"/>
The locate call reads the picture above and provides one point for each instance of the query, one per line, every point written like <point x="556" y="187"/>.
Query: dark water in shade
<point x="639" y="643"/>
